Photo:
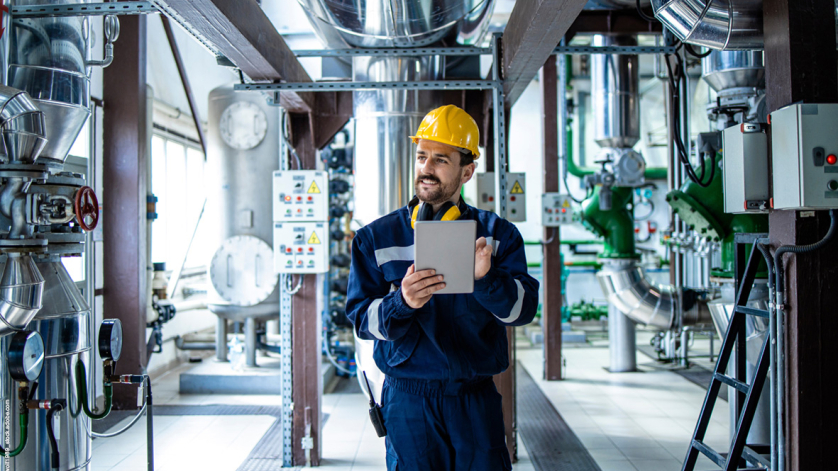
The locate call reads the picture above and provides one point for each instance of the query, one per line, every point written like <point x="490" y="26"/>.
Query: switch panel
<point x="301" y="247"/>
<point x="516" y="201"/>
<point x="804" y="146"/>
<point x="301" y="195"/>
<point x="556" y="210"/>
<point x="745" y="165"/>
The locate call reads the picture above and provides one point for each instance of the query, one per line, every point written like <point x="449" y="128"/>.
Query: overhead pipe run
<point x="716" y="24"/>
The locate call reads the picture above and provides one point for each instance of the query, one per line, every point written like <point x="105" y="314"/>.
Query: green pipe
<point x="615" y="226"/>
<point x="569" y="242"/>
<point x="81" y="393"/>
<point x="24" y="435"/>
<point x="583" y="263"/>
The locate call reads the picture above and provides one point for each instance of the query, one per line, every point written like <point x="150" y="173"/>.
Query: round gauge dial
<point x="26" y="356"/>
<point x="242" y="271"/>
<point x="243" y="125"/>
<point x="110" y="339"/>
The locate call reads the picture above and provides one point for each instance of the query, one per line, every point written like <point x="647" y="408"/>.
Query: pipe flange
<point x="67" y="178"/>
<point x="23" y="245"/>
<point x="34" y="172"/>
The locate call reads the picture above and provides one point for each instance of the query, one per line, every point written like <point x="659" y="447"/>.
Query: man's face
<point x="438" y="172"/>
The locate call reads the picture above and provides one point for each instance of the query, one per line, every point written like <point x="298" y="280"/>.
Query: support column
<point x="622" y="342"/>
<point x="551" y="266"/>
<point x="799" y="41"/>
<point x="125" y="150"/>
<point x="305" y="322"/>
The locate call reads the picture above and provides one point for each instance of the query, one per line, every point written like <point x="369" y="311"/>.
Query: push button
<point x="818" y="156"/>
<point x="832" y="185"/>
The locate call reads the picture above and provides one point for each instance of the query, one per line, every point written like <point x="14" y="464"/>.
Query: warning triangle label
<point x="313" y="188"/>
<point x="516" y="189"/>
<point x="313" y="240"/>
<point x="566" y="204"/>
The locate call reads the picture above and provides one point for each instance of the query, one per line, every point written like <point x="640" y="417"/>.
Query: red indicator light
<point x="311" y="249"/>
<point x="310" y="198"/>
<point x="564" y="210"/>
<point x="288" y="250"/>
<point x="299" y="198"/>
<point x="511" y="198"/>
<point x="831" y="159"/>
<point x="287" y="198"/>
<point x="299" y="210"/>
<point x="491" y="198"/>
<point x="300" y="249"/>
<point x="300" y="262"/>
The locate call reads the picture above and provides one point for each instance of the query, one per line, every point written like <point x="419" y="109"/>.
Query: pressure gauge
<point x="26" y="356"/>
<point x="242" y="271"/>
<point x="243" y="125"/>
<point x="110" y="339"/>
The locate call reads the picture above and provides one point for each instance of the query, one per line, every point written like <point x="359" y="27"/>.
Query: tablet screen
<point x="448" y="248"/>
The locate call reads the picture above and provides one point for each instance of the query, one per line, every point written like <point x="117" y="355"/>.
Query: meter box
<point x="746" y="169"/>
<point x="301" y="247"/>
<point x="556" y="210"/>
<point x="301" y="195"/>
<point x="516" y="201"/>
<point x="804" y="149"/>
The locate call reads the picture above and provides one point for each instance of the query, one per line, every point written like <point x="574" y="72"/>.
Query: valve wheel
<point x="87" y="208"/>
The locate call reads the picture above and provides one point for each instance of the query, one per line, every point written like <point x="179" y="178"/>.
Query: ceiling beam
<point x="534" y="29"/>
<point x="240" y="31"/>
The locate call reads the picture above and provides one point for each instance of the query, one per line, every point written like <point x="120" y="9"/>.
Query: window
<point x="177" y="177"/>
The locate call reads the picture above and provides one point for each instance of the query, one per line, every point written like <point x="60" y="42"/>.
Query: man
<point x="440" y="406"/>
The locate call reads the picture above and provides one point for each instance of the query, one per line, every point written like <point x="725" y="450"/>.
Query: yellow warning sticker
<point x="313" y="240"/>
<point x="516" y="189"/>
<point x="313" y="188"/>
<point x="566" y="204"/>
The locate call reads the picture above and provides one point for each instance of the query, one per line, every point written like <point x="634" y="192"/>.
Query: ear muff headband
<point x="424" y="212"/>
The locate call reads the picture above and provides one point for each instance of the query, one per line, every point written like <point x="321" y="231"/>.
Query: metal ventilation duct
<point x="717" y="24"/>
<point x="616" y="97"/>
<point x="397" y="23"/>
<point x="725" y="70"/>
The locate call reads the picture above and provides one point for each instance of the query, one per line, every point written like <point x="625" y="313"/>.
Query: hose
<point x="53" y="443"/>
<point x="128" y="426"/>
<point x="81" y="394"/>
<point x="24" y="435"/>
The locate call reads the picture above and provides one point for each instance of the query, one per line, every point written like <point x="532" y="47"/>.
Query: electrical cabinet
<point x="745" y="165"/>
<point x="516" y="201"/>
<point x="804" y="149"/>
<point x="301" y="195"/>
<point x="301" y="247"/>
<point x="556" y="210"/>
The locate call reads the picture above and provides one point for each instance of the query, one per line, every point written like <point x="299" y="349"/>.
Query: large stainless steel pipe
<point x="622" y="341"/>
<point x="615" y="93"/>
<point x="717" y="24"/>
<point x="383" y="121"/>
<point x="725" y="70"/>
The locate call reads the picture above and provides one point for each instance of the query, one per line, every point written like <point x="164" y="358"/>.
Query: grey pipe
<point x="615" y="93"/>
<point x="250" y="341"/>
<point x="181" y="344"/>
<point x="717" y="24"/>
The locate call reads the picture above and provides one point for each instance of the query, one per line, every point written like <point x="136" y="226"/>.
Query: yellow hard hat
<point x="450" y="125"/>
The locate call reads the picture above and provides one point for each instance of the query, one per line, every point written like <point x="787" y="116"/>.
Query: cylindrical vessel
<point x="63" y="324"/>
<point x="622" y="342"/>
<point x="615" y="94"/>
<point x="724" y="70"/>
<point x="383" y="121"/>
<point x="242" y="154"/>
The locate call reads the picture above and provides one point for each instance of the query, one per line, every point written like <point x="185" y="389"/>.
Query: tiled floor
<point x="634" y="421"/>
<point x="630" y="421"/>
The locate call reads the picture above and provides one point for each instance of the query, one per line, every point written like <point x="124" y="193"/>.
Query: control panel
<point x="804" y="147"/>
<point x="516" y="201"/>
<point x="745" y="166"/>
<point x="556" y="210"/>
<point x="301" y="247"/>
<point x="301" y="195"/>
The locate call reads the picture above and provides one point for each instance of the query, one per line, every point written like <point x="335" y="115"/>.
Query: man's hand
<point x="482" y="258"/>
<point x="418" y="286"/>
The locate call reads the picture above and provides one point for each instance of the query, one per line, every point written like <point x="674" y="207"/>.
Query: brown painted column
<point x="125" y="150"/>
<point x="551" y="266"/>
<point x="799" y="48"/>
<point x="305" y="328"/>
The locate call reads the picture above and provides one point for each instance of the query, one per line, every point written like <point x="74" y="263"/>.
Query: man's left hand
<point x="482" y="258"/>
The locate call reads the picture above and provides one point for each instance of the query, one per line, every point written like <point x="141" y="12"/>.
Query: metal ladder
<point x="740" y="456"/>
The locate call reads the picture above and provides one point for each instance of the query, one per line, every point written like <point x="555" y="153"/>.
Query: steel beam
<point x="83" y="9"/>
<point x="125" y="151"/>
<point x="241" y="32"/>
<point x="184" y="80"/>
<point x="551" y="312"/>
<point x="533" y="31"/>
<point x="799" y="40"/>
<point x="333" y="86"/>
<point x="612" y="22"/>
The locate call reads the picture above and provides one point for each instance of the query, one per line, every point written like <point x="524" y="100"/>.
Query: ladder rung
<point x="709" y="452"/>
<point x="755" y="458"/>
<point x="752" y="312"/>
<point x="742" y="387"/>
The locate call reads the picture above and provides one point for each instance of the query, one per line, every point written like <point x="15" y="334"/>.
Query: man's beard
<point x="440" y="194"/>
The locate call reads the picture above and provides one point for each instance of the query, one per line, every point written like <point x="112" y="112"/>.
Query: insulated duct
<point x="615" y="87"/>
<point x="21" y="289"/>
<point x="717" y="24"/>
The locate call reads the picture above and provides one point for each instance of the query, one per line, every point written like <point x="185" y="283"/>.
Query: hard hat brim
<point x="476" y="152"/>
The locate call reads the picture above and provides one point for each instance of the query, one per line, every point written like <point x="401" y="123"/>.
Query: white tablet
<point x="448" y="248"/>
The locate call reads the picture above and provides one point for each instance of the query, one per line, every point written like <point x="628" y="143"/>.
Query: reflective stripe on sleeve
<point x="515" y="313"/>
<point x="394" y="254"/>
<point x="372" y="319"/>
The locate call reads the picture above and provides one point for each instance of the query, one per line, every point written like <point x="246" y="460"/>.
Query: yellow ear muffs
<point x="423" y="212"/>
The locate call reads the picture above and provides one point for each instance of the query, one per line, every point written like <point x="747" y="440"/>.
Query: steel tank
<point x="242" y="154"/>
<point x="615" y="93"/>
<point x="384" y="167"/>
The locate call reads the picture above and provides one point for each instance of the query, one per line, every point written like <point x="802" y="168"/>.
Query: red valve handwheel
<point x="87" y="206"/>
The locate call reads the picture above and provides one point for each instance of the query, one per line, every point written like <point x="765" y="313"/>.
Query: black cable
<point x="798" y="249"/>
<point x="567" y="187"/>
<point x="642" y="13"/>
<point x="689" y="48"/>
<point x="53" y="443"/>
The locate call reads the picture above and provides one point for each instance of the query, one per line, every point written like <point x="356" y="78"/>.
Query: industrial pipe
<point x="615" y="226"/>
<point x="717" y="24"/>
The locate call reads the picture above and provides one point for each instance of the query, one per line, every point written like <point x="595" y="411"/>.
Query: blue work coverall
<point x="440" y="407"/>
